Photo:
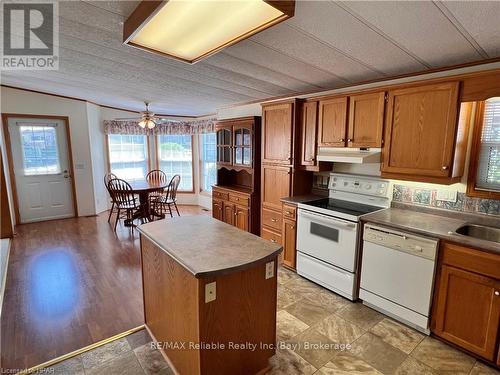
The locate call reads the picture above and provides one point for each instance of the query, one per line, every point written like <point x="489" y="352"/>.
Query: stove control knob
<point x="368" y="187"/>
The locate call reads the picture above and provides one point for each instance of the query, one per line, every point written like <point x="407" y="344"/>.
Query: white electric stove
<point x="328" y="230"/>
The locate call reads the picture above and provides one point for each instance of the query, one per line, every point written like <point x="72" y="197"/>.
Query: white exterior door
<point x="41" y="168"/>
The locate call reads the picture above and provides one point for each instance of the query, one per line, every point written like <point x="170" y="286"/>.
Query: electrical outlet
<point x="210" y="292"/>
<point x="446" y="195"/>
<point x="269" y="270"/>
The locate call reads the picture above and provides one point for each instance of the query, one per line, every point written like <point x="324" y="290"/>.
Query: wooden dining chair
<point x="170" y="198"/>
<point x="124" y="198"/>
<point x="108" y="177"/>
<point x="159" y="177"/>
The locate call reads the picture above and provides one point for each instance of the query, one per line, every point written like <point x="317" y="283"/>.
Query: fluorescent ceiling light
<point x="191" y="30"/>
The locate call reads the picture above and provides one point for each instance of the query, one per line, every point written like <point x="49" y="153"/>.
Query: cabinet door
<point x="366" y="120"/>
<point x="289" y="242"/>
<point x="332" y="122"/>
<point x="224" y="144"/>
<point x="217" y="209"/>
<point x="309" y="125"/>
<point x="276" y="184"/>
<point x="468" y="310"/>
<point x="242" y="146"/>
<point x="242" y="218"/>
<point x="420" y="130"/>
<point x="229" y="213"/>
<point x="277" y="129"/>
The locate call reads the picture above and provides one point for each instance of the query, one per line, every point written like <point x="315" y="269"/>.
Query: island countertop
<point x="207" y="247"/>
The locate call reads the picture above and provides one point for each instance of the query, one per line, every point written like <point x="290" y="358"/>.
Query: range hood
<point x="349" y="155"/>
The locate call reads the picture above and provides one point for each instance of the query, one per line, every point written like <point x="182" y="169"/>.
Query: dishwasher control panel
<point x="409" y="243"/>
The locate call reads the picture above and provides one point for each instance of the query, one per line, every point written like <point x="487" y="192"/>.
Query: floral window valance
<point x="163" y="128"/>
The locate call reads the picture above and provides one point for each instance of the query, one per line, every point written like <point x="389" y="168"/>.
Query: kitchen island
<point x="209" y="295"/>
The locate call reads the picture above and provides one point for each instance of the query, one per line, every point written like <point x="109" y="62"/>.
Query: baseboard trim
<point x="80" y="351"/>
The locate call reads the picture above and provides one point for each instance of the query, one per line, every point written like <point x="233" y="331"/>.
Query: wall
<point x="25" y="102"/>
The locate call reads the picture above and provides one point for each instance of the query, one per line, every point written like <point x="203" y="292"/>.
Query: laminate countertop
<point x="207" y="247"/>
<point x="302" y="198"/>
<point x="437" y="224"/>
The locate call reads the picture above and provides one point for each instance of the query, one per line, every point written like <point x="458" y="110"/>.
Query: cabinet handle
<point x="349" y="140"/>
<point x="273" y="240"/>
<point x="444" y="167"/>
<point x="292" y="227"/>
<point x="497" y="293"/>
<point x="274" y="220"/>
<point x="288" y="212"/>
<point x="342" y="139"/>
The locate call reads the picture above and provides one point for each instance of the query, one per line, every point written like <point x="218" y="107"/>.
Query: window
<point x="128" y="156"/>
<point x="40" y="151"/>
<point x="484" y="168"/>
<point x="208" y="163"/>
<point x="175" y="156"/>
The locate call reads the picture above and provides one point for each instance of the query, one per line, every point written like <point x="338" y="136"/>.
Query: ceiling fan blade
<point x="128" y="119"/>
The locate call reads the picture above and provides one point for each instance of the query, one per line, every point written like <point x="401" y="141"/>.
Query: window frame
<point x="157" y="157"/>
<point x="200" y="163"/>
<point x="148" y="153"/>
<point x="472" y="190"/>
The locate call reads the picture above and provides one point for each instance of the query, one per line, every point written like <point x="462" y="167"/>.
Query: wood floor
<point x="70" y="283"/>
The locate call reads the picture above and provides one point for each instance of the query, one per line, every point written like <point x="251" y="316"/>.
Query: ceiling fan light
<point x="142" y="123"/>
<point x="150" y="124"/>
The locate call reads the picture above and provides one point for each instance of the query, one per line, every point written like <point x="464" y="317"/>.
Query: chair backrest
<point x="157" y="176"/>
<point x="121" y="192"/>
<point x="173" y="186"/>
<point x="108" y="177"/>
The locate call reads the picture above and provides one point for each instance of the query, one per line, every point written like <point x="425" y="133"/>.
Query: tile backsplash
<point x="428" y="197"/>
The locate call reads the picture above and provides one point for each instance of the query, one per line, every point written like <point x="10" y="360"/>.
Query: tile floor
<point x="318" y="333"/>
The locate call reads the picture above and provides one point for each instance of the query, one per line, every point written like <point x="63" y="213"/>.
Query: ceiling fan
<point x="147" y="119"/>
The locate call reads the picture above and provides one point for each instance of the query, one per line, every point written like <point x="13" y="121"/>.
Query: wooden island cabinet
<point x="210" y="295"/>
<point x="466" y="309"/>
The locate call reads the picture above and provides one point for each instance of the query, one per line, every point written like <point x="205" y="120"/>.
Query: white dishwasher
<point x="397" y="274"/>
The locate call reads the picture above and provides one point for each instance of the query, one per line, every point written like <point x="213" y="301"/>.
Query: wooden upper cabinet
<point x="309" y="127"/>
<point x="332" y="119"/>
<point x="468" y="310"/>
<point x="276" y="184"/>
<point x="421" y="124"/>
<point x="366" y="120"/>
<point x="277" y="132"/>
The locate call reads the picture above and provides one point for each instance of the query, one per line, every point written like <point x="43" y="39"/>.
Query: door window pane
<point x="208" y="169"/>
<point x="175" y="155"/>
<point x="128" y="156"/>
<point x="40" y="150"/>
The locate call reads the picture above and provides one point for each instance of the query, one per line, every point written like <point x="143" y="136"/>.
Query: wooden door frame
<point x="5" y="123"/>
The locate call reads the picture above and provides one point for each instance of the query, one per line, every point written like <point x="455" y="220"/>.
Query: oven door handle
<point x="327" y="220"/>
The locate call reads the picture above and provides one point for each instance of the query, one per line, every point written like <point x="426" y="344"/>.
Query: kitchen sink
<point x="482" y="232"/>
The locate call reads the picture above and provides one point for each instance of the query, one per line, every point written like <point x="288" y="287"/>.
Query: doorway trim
<point x="5" y="123"/>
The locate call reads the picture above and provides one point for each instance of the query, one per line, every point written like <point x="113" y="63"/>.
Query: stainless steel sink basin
<point x="480" y="231"/>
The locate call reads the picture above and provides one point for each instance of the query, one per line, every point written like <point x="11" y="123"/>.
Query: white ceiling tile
<point x="332" y="24"/>
<point x="482" y="20"/>
<point x="420" y="27"/>
<point x="311" y="51"/>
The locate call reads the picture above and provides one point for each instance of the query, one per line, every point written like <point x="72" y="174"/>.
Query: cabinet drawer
<point x="473" y="260"/>
<point x="270" y="236"/>
<point x="272" y="219"/>
<point x="239" y="199"/>
<point x="289" y="212"/>
<point x="220" y="195"/>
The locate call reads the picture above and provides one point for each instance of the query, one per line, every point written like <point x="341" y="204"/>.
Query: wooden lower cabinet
<point x="289" y="235"/>
<point x="236" y="208"/>
<point x="217" y="209"/>
<point x="467" y="305"/>
<point x="242" y="218"/>
<point x="270" y="235"/>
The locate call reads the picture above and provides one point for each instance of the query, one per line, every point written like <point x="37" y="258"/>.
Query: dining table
<point x="143" y="188"/>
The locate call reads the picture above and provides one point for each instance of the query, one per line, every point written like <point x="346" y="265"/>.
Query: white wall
<point x="25" y="102"/>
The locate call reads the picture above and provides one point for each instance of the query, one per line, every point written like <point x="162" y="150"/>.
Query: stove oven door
<point x="329" y="239"/>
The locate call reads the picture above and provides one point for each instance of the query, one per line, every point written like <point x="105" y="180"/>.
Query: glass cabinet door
<point x="224" y="144"/>
<point x="243" y="147"/>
